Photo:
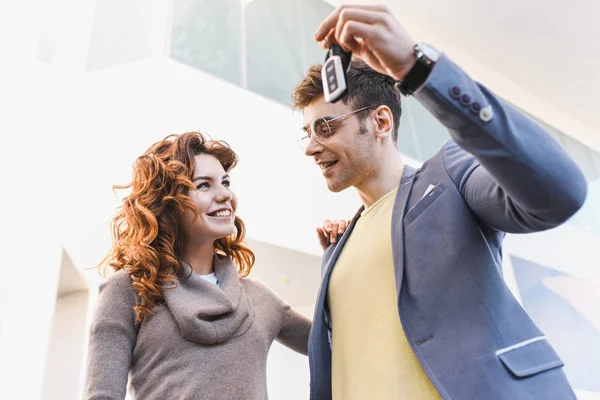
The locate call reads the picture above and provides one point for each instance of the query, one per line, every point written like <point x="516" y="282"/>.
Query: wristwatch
<point x="427" y="56"/>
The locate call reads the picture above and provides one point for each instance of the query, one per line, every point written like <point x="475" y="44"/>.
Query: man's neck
<point x="386" y="177"/>
<point x="199" y="257"/>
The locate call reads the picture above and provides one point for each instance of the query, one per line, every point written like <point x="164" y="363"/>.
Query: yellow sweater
<point x="371" y="357"/>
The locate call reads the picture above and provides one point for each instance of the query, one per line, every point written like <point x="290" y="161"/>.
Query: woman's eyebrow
<point x="208" y="178"/>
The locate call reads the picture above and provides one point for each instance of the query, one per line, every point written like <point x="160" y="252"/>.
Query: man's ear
<point x="384" y="122"/>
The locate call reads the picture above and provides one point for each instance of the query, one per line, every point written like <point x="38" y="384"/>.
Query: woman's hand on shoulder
<point x="330" y="231"/>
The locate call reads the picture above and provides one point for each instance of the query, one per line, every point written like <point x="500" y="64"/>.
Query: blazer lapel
<point x="329" y="263"/>
<point x="339" y="247"/>
<point x="319" y="350"/>
<point x="404" y="190"/>
<point x="406" y="185"/>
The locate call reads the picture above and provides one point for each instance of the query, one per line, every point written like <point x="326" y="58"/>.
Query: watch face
<point x="429" y="51"/>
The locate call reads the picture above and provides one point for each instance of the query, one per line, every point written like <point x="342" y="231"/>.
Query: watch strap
<point x="417" y="75"/>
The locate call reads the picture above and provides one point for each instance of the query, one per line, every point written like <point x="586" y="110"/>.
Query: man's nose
<point x="313" y="147"/>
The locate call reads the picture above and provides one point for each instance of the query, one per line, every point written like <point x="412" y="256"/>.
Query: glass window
<point x="121" y="33"/>
<point x="592" y="206"/>
<point x="595" y="159"/>
<point x="313" y="13"/>
<point x="262" y="45"/>
<point x="560" y="137"/>
<point x="280" y="46"/>
<point x="274" y="63"/>
<point x="588" y="218"/>
<point x="46" y="46"/>
<point x="48" y="11"/>
<point x="207" y="35"/>
<point x="581" y="157"/>
<point x="407" y="143"/>
<point x="430" y="133"/>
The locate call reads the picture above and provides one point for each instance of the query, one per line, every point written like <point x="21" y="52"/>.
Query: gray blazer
<point x="501" y="173"/>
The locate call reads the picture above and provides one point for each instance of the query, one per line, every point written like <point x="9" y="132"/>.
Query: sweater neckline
<point x="207" y="313"/>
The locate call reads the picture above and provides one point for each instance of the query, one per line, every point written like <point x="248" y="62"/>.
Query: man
<point x="424" y="313"/>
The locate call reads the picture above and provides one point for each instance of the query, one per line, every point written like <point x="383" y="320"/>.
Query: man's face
<point x="346" y="157"/>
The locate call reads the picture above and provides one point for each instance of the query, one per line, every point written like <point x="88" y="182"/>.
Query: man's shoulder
<point x="435" y="163"/>
<point x="451" y="160"/>
<point x="449" y="153"/>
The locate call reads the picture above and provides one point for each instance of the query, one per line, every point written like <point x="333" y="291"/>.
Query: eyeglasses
<point x="322" y="129"/>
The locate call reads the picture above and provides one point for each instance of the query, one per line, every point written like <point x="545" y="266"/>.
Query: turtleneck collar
<point x="206" y="313"/>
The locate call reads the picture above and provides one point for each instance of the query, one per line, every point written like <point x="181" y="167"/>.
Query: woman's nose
<point x="224" y="195"/>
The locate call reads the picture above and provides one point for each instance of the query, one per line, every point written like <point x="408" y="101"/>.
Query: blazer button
<point x="475" y="107"/>
<point x="455" y="92"/>
<point x="486" y="114"/>
<point x="465" y="99"/>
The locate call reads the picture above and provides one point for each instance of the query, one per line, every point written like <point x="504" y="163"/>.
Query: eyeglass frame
<point x="310" y="125"/>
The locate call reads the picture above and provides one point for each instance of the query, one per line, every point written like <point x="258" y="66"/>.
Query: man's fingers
<point x="331" y="20"/>
<point x="363" y="24"/>
<point x="353" y="24"/>
<point x="364" y="16"/>
<point x="352" y="30"/>
<point x="329" y="39"/>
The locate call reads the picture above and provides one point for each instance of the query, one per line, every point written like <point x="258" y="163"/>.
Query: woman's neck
<point x="199" y="257"/>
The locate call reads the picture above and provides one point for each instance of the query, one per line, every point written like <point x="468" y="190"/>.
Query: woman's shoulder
<point x="119" y="278"/>
<point x="254" y="285"/>
<point x="119" y="283"/>
<point x="259" y="290"/>
<point x="116" y="300"/>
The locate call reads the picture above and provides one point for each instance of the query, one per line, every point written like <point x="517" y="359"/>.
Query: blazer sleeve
<point x="512" y="174"/>
<point x="113" y="334"/>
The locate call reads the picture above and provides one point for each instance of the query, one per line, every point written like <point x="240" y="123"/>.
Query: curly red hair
<point x="147" y="238"/>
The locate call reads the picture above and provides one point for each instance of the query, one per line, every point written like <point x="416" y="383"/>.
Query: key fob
<point x="333" y="73"/>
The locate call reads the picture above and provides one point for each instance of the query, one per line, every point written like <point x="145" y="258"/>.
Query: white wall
<point x="28" y="312"/>
<point x="64" y="368"/>
<point x="288" y="375"/>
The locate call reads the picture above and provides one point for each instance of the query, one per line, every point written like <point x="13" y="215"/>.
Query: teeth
<point x="226" y="213"/>
<point x="327" y="164"/>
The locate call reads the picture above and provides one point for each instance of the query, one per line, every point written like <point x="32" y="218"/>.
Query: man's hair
<point x="367" y="87"/>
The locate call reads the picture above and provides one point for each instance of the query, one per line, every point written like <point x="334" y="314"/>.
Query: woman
<point x="177" y="315"/>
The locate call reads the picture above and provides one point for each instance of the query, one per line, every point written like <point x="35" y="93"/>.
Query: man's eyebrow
<point x="208" y="178"/>
<point x="326" y="118"/>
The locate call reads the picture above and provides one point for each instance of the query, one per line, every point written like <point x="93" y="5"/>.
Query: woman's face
<point x="214" y="200"/>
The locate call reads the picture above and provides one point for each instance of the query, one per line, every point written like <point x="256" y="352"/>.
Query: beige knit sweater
<point x="207" y="342"/>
